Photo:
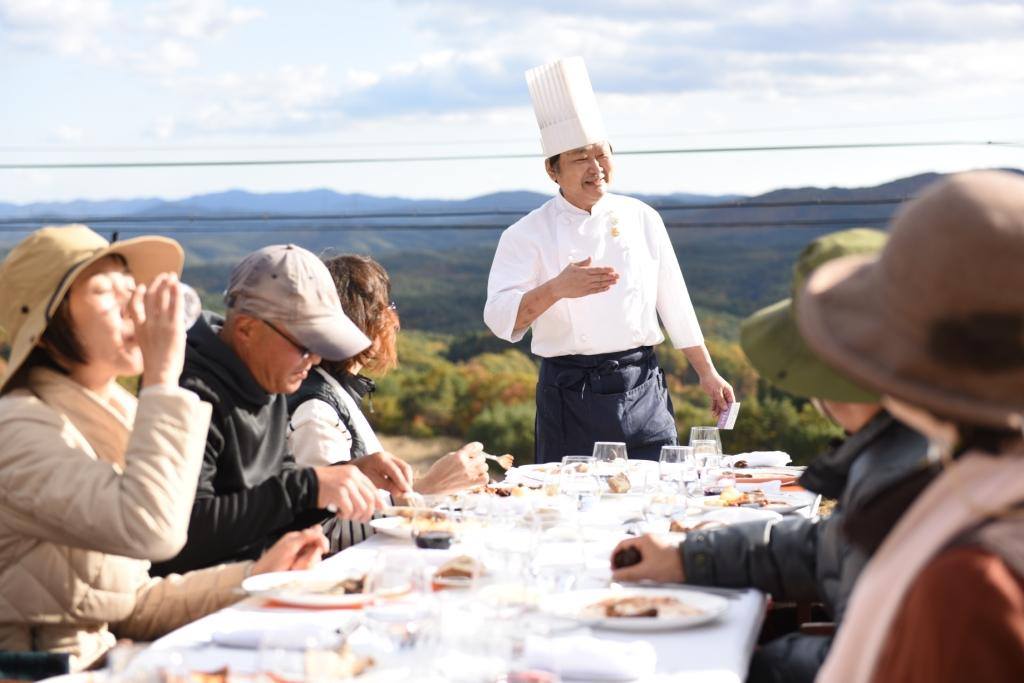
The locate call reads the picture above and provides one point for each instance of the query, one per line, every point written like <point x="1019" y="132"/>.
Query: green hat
<point x="773" y="344"/>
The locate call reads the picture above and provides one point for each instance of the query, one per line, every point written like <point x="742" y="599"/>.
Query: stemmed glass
<point x="707" y="452"/>
<point x="611" y="452"/>
<point x="672" y="465"/>
<point x="579" y="481"/>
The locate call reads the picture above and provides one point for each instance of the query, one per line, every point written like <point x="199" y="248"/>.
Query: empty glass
<point x="672" y="465"/>
<point x="583" y="488"/>
<point x="613" y="453"/>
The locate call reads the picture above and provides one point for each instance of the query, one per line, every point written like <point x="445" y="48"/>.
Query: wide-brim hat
<point x="772" y="342"/>
<point x="937" y="319"/>
<point x="39" y="271"/>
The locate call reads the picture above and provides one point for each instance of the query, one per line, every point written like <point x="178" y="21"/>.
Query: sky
<point x="181" y="80"/>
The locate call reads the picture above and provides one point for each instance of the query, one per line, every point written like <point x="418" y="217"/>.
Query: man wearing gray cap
<point x="283" y="317"/>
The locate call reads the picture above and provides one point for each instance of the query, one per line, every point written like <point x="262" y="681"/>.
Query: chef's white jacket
<point x="620" y="232"/>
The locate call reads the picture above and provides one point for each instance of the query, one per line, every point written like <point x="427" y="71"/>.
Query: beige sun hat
<point x="937" y="319"/>
<point x="39" y="270"/>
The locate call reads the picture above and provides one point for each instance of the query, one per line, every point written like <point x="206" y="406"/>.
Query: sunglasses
<point x="303" y="351"/>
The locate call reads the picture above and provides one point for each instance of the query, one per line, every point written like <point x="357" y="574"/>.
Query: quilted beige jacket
<point x="91" y="491"/>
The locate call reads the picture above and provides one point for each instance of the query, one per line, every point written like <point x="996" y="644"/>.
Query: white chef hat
<point x="566" y="108"/>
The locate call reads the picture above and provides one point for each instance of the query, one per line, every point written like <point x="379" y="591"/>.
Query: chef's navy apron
<point x="619" y="396"/>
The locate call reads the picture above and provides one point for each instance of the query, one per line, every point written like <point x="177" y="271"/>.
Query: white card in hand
<point x="727" y="420"/>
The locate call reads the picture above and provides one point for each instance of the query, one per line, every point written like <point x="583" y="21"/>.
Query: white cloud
<point x="197" y="19"/>
<point x="67" y="133"/>
<point x="66" y="27"/>
<point x="287" y="96"/>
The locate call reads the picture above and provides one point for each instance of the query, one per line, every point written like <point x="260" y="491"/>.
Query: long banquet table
<point x="716" y="652"/>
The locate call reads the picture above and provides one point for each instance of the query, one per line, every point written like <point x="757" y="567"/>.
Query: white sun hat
<point x="565" y="106"/>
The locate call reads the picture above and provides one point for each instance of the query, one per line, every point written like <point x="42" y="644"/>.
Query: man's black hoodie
<point x="250" y="490"/>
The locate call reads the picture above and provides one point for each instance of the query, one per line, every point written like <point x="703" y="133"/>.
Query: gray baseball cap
<point x="287" y="284"/>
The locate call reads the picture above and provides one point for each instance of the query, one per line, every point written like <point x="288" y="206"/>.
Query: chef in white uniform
<point x="591" y="272"/>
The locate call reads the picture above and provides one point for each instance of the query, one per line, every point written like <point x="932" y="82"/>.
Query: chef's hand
<point x="582" y="279"/>
<point x="719" y="391"/>
<point x="659" y="561"/>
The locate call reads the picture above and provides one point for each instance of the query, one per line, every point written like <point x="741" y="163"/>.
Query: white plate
<point x="571" y="605"/>
<point x="740" y="515"/>
<point x="397" y="527"/>
<point x="287" y="588"/>
<point x="788" y="501"/>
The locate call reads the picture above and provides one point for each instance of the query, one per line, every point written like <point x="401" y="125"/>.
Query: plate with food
<point x="318" y="589"/>
<point x="401" y="521"/>
<point x="783" y="503"/>
<point x="760" y="475"/>
<point x="637" y="609"/>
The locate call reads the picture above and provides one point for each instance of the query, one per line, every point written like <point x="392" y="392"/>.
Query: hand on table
<point x="659" y="561"/>
<point x="456" y="471"/>
<point x="347" y="492"/>
<point x="293" y="551"/>
<point x="386" y="471"/>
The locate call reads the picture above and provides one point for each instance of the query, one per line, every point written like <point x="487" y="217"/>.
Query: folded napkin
<point x="295" y="637"/>
<point x="759" y="459"/>
<point x="591" y="659"/>
<point x="774" y="486"/>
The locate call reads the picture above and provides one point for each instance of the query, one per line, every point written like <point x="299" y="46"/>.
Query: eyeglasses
<point x="393" y="306"/>
<point x="303" y="351"/>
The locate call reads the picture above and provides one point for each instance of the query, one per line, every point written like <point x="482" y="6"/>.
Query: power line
<point x="281" y="217"/>
<point x="490" y="157"/>
<point x="341" y="144"/>
<point x="433" y="227"/>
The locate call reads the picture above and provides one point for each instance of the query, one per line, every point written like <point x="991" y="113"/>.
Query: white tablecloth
<point x="716" y="652"/>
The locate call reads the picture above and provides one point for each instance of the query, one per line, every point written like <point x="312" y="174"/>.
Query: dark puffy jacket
<point x="250" y="490"/>
<point x="807" y="560"/>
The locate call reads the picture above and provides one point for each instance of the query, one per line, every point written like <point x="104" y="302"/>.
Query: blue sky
<point x="104" y="80"/>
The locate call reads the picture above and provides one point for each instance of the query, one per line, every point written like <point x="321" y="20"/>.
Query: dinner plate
<point x="397" y="527"/>
<point x="783" y="502"/>
<point x="761" y="475"/>
<point x="297" y="589"/>
<point x="571" y="605"/>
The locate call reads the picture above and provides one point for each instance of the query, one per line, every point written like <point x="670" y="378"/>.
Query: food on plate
<point x="677" y="526"/>
<point x="619" y="483"/>
<point x="353" y="585"/>
<point x="463" y="567"/>
<point x="634" y="606"/>
<point x="740" y="464"/>
<point x="757" y="498"/>
<point x="505" y="490"/>
<point x="457" y="572"/>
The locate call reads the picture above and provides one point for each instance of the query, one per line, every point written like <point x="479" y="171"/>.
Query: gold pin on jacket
<point x="615" y="225"/>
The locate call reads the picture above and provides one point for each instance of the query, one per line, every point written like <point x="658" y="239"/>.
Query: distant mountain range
<point x="736" y="252"/>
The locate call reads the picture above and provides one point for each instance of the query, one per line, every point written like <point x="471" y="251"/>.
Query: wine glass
<point x="611" y="452"/>
<point x="707" y="452"/>
<point x="672" y="464"/>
